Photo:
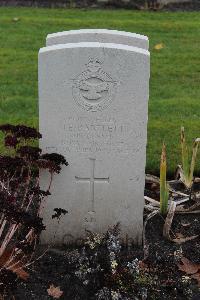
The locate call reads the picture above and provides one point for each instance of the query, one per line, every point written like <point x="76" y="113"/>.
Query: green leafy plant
<point x="186" y="170"/>
<point x="164" y="190"/>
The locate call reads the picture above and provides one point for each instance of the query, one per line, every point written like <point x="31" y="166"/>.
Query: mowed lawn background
<point x="175" y="69"/>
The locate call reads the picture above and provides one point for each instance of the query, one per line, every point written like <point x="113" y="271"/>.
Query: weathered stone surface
<point x="93" y="101"/>
<point x="98" y="35"/>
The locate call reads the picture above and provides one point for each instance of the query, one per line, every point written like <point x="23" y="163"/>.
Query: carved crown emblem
<point x="94" y="65"/>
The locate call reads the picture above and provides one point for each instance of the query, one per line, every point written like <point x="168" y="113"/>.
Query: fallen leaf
<point x="16" y="267"/>
<point x="159" y="46"/>
<point x="188" y="267"/>
<point x="197" y="277"/>
<point x="15" y="19"/>
<point x="181" y="239"/>
<point x="54" y="291"/>
<point x="19" y="271"/>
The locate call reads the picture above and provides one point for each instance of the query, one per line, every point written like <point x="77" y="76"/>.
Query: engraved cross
<point x="92" y="179"/>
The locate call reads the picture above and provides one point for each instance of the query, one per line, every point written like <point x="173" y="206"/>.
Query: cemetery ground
<point x="72" y="273"/>
<point x="163" y="268"/>
<point x="174" y="86"/>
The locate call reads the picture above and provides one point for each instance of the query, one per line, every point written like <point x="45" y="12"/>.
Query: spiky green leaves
<point x="164" y="190"/>
<point x="187" y="168"/>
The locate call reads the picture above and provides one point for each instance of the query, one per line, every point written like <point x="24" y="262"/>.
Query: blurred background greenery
<point x="175" y="72"/>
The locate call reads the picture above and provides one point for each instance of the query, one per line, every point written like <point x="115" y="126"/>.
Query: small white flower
<point x="185" y="279"/>
<point x="115" y="295"/>
<point x="86" y="282"/>
<point x="114" y="264"/>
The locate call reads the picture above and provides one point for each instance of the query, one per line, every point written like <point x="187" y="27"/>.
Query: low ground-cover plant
<point x="21" y="201"/>
<point x="104" y="272"/>
<point x="105" y="269"/>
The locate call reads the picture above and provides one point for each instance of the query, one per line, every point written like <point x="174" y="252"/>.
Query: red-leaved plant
<point x="21" y="201"/>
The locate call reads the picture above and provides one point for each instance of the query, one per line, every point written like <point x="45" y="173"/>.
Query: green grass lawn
<point x="175" y="69"/>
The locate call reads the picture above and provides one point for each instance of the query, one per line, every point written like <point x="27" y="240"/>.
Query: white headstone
<point x="100" y="36"/>
<point x="93" y="102"/>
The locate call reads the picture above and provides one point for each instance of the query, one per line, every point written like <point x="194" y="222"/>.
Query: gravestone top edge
<point x="104" y="31"/>
<point x="94" y="45"/>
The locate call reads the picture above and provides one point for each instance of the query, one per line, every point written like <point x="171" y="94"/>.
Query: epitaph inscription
<point x="100" y="135"/>
<point x="94" y="89"/>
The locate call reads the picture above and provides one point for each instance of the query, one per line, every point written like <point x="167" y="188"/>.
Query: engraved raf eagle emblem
<point x="94" y="89"/>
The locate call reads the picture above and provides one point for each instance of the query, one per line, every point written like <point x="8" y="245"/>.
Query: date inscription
<point x="96" y="135"/>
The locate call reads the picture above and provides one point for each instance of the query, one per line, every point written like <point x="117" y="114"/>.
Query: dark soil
<point x="163" y="260"/>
